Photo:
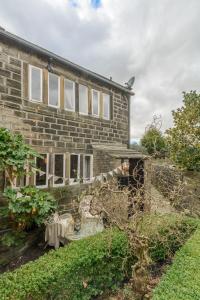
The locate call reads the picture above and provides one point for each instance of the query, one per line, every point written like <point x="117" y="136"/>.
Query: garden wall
<point x="184" y="184"/>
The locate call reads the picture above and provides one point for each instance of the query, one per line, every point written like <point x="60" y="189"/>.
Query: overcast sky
<point x="157" y="41"/>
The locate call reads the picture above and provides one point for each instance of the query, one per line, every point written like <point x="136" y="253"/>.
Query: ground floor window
<point x="87" y="167"/>
<point x="74" y="167"/>
<point x="55" y="168"/>
<point x="41" y="176"/>
<point x="21" y="181"/>
<point x="59" y="170"/>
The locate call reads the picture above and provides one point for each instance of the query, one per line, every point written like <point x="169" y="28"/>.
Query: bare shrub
<point x="124" y="208"/>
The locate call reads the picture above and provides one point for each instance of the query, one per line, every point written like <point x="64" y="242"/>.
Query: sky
<point x="157" y="41"/>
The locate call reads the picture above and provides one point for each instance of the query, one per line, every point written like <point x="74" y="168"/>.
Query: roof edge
<point x="12" y="37"/>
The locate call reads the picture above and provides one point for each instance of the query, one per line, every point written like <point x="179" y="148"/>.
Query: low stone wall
<point x="165" y="178"/>
<point x="182" y="188"/>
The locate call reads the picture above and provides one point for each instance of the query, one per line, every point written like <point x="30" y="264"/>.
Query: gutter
<point x="50" y="55"/>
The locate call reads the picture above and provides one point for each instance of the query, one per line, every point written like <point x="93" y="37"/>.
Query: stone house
<point x="76" y="119"/>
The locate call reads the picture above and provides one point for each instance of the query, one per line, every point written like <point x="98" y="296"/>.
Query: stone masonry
<point x="55" y="130"/>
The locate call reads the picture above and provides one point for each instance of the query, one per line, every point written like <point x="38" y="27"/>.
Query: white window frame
<point x="91" y="168"/>
<point x="47" y="174"/>
<point x="93" y="90"/>
<point x="64" y="158"/>
<point x="83" y="113"/>
<point x="55" y="106"/>
<point x="21" y="180"/>
<point x="67" y="109"/>
<point x="71" y="180"/>
<point x="30" y="83"/>
<point x="104" y="94"/>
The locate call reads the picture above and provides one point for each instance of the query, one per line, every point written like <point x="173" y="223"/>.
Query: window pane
<point x="53" y="90"/>
<point x="74" y="166"/>
<point x="20" y="181"/>
<point x="69" y="95"/>
<point x="95" y="103"/>
<point x="87" y="170"/>
<point x="59" y="169"/>
<point x="36" y="84"/>
<point x="83" y="99"/>
<point x="41" y="164"/>
<point x="106" y="106"/>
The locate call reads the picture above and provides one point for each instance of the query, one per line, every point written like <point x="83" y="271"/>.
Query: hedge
<point x="82" y="269"/>
<point x="167" y="233"/>
<point x="182" y="281"/>
<point x="86" y="268"/>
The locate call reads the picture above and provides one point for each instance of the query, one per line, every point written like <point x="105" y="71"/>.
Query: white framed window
<point x="83" y="99"/>
<point x="21" y="181"/>
<point x="69" y="95"/>
<point x="59" y="169"/>
<point x="54" y="90"/>
<point x="35" y="84"/>
<point x="95" y="103"/>
<point x="41" y="176"/>
<point x="106" y="106"/>
<point x="87" y="167"/>
<point x="74" y="168"/>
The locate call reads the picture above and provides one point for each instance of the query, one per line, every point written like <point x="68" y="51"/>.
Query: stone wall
<point x="56" y="128"/>
<point x="103" y="162"/>
<point x="181" y="187"/>
<point x="52" y="130"/>
<point x="165" y="178"/>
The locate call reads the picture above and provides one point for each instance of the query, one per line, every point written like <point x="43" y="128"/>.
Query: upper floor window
<point x="69" y="95"/>
<point x="95" y="103"/>
<point x="35" y="84"/>
<point x="106" y="106"/>
<point x="83" y="99"/>
<point x="54" y="90"/>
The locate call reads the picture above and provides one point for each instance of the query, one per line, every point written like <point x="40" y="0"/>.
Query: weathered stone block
<point x="37" y="142"/>
<point x="15" y="62"/>
<point x="35" y="117"/>
<point x="13" y="83"/>
<point x="43" y="124"/>
<point x="50" y="120"/>
<point x="5" y="73"/>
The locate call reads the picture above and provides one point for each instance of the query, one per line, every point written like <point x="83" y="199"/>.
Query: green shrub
<point x="13" y="238"/>
<point x="182" y="281"/>
<point x="29" y="206"/>
<point x="87" y="267"/>
<point x="167" y="233"/>
<point x="154" y="142"/>
<point x="78" y="271"/>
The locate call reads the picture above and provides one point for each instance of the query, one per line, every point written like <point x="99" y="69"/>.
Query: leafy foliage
<point x="15" y="155"/>
<point x="167" y="233"/>
<point x="80" y="270"/>
<point x="29" y="206"/>
<point x="182" y="280"/>
<point x="86" y="268"/>
<point x="154" y="142"/>
<point x="13" y="238"/>
<point x="184" y="137"/>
